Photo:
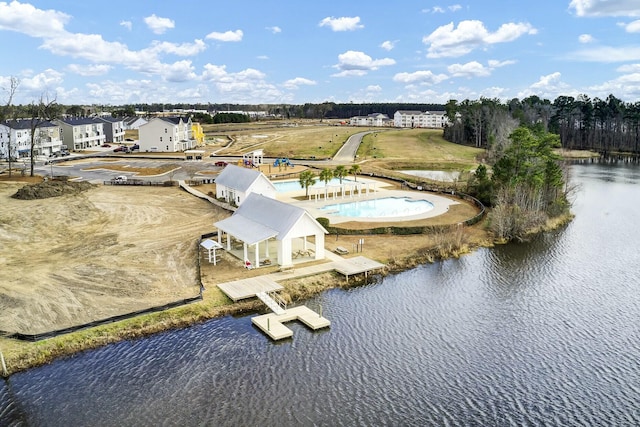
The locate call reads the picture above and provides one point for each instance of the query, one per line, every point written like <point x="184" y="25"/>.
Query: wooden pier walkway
<point x="260" y="286"/>
<point x="272" y="324"/>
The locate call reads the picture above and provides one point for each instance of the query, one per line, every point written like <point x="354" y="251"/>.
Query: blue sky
<point x="294" y="52"/>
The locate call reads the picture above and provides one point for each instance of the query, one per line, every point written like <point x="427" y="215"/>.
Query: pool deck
<point x="441" y="204"/>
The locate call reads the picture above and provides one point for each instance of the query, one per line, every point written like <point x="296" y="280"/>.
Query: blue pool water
<point x="380" y="208"/>
<point x="286" y="186"/>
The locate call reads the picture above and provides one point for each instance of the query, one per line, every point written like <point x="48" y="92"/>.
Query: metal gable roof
<point x="245" y="229"/>
<point x="239" y="178"/>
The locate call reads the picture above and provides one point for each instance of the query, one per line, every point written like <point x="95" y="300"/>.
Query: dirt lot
<point x="110" y="250"/>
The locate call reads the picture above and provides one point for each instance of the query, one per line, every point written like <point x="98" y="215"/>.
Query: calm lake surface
<point x="543" y="333"/>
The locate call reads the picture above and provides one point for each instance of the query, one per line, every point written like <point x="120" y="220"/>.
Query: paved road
<point x="347" y="153"/>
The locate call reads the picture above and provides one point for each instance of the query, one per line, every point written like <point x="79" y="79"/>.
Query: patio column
<point x="304" y="243"/>
<point x="246" y="254"/>
<point x="257" y="264"/>
<point x="266" y="250"/>
<point x="228" y="242"/>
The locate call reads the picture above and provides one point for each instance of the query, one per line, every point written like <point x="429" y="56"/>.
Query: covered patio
<point x="264" y="231"/>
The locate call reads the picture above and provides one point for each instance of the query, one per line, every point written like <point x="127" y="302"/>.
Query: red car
<point x="221" y="163"/>
<point x="106" y="145"/>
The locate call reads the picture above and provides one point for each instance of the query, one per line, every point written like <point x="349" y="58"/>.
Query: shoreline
<point x="22" y="356"/>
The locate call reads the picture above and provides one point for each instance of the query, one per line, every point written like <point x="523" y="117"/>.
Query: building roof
<point x="111" y="119"/>
<point x="78" y="121"/>
<point x="26" y="124"/>
<point x="239" y="178"/>
<point x="260" y="218"/>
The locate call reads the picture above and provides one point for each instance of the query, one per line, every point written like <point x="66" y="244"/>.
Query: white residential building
<point x="18" y="134"/>
<point x="371" y="120"/>
<point x="235" y="183"/>
<point x="133" y="123"/>
<point x="419" y="119"/>
<point x="166" y="134"/>
<point x="82" y="133"/>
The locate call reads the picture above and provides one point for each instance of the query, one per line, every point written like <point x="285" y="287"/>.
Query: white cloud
<point x="159" y="25"/>
<point x="373" y="88"/>
<point x="183" y="49"/>
<point x="608" y="54"/>
<point x="549" y="86"/>
<point x="127" y="24"/>
<point x="455" y="8"/>
<point x="629" y="68"/>
<point x="585" y="38"/>
<point x="274" y="29"/>
<point x="354" y="63"/>
<point x="89" y="70"/>
<point x="179" y="71"/>
<point x="422" y="77"/>
<point x="633" y="27"/>
<point x="497" y="64"/>
<point x="342" y="24"/>
<point x="293" y="84"/>
<point x="605" y="7"/>
<point x="26" y="19"/>
<point x="42" y="82"/>
<point x="470" y="69"/>
<point x="227" y="36"/>
<point x="440" y="9"/>
<point x="388" y="45"/>
<point x="447" y="41"/>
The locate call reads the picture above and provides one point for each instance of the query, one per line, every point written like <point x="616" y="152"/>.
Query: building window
<point x="165" y="130"/>
<point x="160" y="139"/>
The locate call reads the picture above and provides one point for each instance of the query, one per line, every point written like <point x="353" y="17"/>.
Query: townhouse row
<point x="165" y="134"/>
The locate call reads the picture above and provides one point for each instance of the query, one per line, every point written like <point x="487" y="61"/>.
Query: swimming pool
<point x="387" y="207"/>
<point x="286" y="186"/>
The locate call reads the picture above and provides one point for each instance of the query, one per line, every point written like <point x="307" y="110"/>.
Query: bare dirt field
<point x="108" y="251"/>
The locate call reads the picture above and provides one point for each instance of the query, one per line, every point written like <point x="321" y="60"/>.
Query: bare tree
<point x="41" y="113"/>
<point x="7" y="112"/>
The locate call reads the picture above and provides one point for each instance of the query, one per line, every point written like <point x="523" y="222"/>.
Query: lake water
<point x="543" y="333"/>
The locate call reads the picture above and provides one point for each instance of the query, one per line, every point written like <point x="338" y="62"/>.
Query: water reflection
<point x="541" y="333"/>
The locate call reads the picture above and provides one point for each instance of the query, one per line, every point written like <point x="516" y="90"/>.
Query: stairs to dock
<point x="276" y="304"/>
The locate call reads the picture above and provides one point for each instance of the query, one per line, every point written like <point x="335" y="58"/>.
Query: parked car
<point x="221" y="163"/>
<point x="122" y="149"/>
<point x="120" y="178"/>
<point x="135" y="147"/>
<point x="106" y="145"/>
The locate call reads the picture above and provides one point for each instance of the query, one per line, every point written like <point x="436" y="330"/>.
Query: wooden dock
<point x="248" y="288"/>
<point x="356" y="265"/>
<point x="273" y="324"/>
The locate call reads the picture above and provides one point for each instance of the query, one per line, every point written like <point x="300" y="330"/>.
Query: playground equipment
<point x="283" y="161"/>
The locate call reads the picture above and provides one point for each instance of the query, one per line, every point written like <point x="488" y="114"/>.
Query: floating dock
<point x="273" y="324"/>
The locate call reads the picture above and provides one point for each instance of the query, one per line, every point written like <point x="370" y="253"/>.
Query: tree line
<point x="603" y="125"/>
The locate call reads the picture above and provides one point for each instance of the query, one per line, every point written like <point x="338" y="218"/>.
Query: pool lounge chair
<point x="341" y="251"/>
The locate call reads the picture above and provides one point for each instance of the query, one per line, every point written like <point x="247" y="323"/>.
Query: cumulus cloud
<point x="585" y="38"/>
<point x="274" y="29"/>
<point x="470" y="69"/>
<point x="182" y="49"/>
<point x="605" y="7"/>
<point x="159" y="25"/>
<point x="373" y="88"/>
<point x="632" y="27"/>
<point x="89" y="69"/>
<point x="354" y="63"/>
<point x="26" y="19"/>
<point x="293" y="84"/>
<point x="42" y="82"/>
<point x="420" y="77"/>
<point x="449" y="41"/>
<point x="127" y="24"/>
<point x="227" y="36"/>
<point x="548" y="86"/>
<point x="342" y="24"/>
<point x="388" y="45"/>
